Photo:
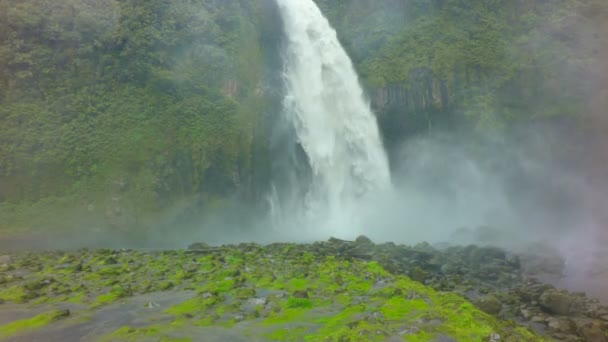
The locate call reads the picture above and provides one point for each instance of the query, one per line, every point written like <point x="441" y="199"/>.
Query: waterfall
<point x="332" y="120"/>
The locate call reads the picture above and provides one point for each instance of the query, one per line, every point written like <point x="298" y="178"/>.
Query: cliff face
<point x="431" y="64"/>
<point x="122" y="108"/>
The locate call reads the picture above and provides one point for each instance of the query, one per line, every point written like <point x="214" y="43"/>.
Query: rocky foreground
<point x="326" y="291"/>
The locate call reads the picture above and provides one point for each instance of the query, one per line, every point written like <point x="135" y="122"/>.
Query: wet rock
<point x="418" y="274"/>
<point x="300" y="294"/>
<point x="527" y="313"/>
<point x="557" y="302"/>
<point x="59" y="314"/>
<point x="375" y="317"/>
<point x="409" y="331"/>
<point x="494" y="337"/>
<point x="198" y="246"/>
<point x="561" y="325"/>
<point x="110" y="261"/>
<point x="362" y="239"/>
<point x="151" y="305"/>
<point x="5" y="260"/>
<point x="257" y="301"/>
<point x="245" y="293"/>
<point x="538" y="319"/>
<point x="489" y="304"/>
<point x="593" y="332"/>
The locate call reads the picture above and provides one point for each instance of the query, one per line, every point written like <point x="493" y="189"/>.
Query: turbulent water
<point x="333" y="121"/>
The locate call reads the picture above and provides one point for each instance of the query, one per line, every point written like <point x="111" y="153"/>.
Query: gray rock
<point x="556" y="302"/>
<point x="494" y="337"/>
<point x="152" y="305"/>
<point x="362" y="239"/>
<point x="561" y="325"/>
<point x="489" y="304"/>
<point x="538" y="319"/>
<point x="593" y="332"/>
<point x="257" y="301"/>
<point x="526" y="313"/>
<point x="5" y="260"/>
<point x="409" y="331"/>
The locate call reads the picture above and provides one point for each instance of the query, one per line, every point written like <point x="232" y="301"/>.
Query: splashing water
<point x="333" y="122"/>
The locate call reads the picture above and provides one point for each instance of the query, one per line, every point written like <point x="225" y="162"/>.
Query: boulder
<point x="556" y="302"/>
<point x="489" y="304"/>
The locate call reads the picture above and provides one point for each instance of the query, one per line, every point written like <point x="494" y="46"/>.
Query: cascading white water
<point x="333" y="122"/>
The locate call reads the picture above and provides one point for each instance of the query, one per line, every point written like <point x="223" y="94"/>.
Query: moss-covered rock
<point x="31" y="324"/>
<point x="291" y="292"/>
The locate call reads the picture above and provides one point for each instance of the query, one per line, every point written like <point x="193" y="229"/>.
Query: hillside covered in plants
<point x="125" y="114"/>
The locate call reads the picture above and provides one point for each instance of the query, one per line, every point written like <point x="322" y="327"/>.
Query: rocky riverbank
<point x="500" y="283"/>
<point x="325" y="291"/>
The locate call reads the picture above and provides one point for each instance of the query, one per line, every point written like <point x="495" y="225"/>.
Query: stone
<point x="5" y="260"/>
<point x="409" y="331"/>
<point x="362" y="239"/>
<point x="537" y="319"/>
<point x="561" y="325"/>
<point x="152" y="305"/>
<point x="525" y="313"/>
<point x="494" y="337"/>
<point x="418" y="274"/>
<point x="555" y="301"/>
<point x="593" y="333"/>
<point x="198" y="246"/>
<point x="300" y="294"/>
<point x="257" y="301"/>
<point x="245" y="293"/>
<point x="489" y="304"/>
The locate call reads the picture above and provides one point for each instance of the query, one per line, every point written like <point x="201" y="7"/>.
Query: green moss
<point x="340" y="327"/>
<point x="192" y="306"/>
<point x="285" y="316"/>
<point x="205" y="322"/>
<point x="234" y="259"/>
<point x="158" y="332"/>
<point x="245" y="293"/>
<point x="376" y="269"/>
<point x="297" y="284"/>
<point x="303" y="303"/>
<point x="33" y="323"/>
<point x="220" y="286"/>
<point x="288" y="334"/>
<point x="344" y="299"/>
<point x="398" y="308"/>
<point x="15" y="294"/>
<point x="165" y="285"/>
<point x="77" y="298"/>
<point x="116" y="293"/>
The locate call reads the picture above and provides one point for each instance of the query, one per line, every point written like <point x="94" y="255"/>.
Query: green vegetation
<point x="312" y="298"/>
<point x="113" y="110"/>
<point x="130" y="115"/>
<point x="490" y="64"/>
<point x="31" y="324"/>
